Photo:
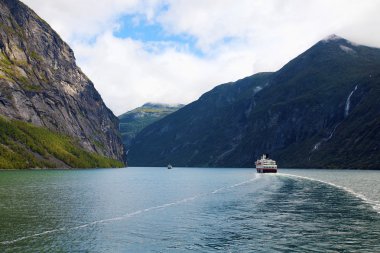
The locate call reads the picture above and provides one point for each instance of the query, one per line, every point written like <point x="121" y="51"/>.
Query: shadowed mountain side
<point x="319" y="110"/>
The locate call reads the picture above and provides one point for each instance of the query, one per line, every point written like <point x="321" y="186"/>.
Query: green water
<point x="189" y="210"/>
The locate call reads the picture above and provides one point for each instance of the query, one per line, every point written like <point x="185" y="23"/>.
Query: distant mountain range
<point x="321" y="110"/>
<point x="132" y="122"/>
<point x="50" y="113"/>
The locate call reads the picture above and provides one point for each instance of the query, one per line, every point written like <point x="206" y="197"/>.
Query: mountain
<point x="41" y="84"/>
<point x="132" y="122"/>
<point x="320" y="110"/>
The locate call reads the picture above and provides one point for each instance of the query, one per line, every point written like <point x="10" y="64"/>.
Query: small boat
<point x="266" y="165"/>
<point x="170" y="167"/>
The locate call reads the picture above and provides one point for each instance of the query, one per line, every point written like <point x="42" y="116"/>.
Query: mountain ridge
<point x="285" y="113"/>
<point x="132" y="122"/>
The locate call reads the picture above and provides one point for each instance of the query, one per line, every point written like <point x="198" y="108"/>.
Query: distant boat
<point x="170" y="167"/>
<point x="266" y="165"/>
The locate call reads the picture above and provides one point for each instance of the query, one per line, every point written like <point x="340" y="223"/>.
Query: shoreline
<point x="39" y="169"/>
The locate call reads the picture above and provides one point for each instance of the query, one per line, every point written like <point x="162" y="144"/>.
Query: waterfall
<point x="317" y="145"/>
<point x="348" y="101"/>
<point x="346" y="111"/>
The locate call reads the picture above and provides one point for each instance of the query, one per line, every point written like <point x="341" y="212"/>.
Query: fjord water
<point x="189" y="210"/>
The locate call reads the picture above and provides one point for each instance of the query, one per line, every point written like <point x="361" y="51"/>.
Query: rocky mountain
<point x="132" y="122"/>
<point x="321" y="110"/>
<point x="40" y="83"/>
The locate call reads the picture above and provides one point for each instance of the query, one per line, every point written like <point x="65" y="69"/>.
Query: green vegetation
<point x="4" y="61"/>
<point x="22" y="63"/>
<point x="12" y="73"/>
<point x="12" y="28"/>
<point x="35" y="56"/>
<point x="5" y="77"/>
<point x="24" y="145"/>
<point x="31" y="87"/>
<point x="8" y="29"/>
<point x="132" y="122"/>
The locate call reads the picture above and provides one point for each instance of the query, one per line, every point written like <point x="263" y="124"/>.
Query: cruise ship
<point x="266" y="165"/>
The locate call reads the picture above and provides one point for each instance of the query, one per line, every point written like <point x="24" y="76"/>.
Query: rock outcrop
<point x="40" y="83"/>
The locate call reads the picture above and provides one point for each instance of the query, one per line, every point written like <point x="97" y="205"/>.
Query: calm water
<point x="189" y="210"/>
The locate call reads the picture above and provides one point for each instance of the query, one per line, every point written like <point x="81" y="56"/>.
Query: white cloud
<point x="211" y="21"/>
<point x="127" y="75"/>
<point x="84" y="19"/>
<point x="237" y="38"/>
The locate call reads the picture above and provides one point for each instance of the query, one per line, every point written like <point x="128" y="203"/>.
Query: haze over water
<point x="189" y="210"/>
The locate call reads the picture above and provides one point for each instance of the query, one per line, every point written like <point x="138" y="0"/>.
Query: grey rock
<point x="40" y="83"/>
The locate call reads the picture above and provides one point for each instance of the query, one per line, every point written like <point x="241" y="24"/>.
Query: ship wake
<point x="374" y="204"/>
<point x="131" y="214"/>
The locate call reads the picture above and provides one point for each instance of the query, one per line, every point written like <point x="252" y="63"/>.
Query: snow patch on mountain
<point x="332" y="37"/>
<point x="257" y="89"/>
<point x="347" y="49"/>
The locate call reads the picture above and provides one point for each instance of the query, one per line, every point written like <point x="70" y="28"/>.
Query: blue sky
<point x="137" y="27"/>
<point x="172" y="51"/>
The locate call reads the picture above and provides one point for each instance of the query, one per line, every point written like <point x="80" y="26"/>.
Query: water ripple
<point x="129" y="215"/>
<point x="374" y="204"/>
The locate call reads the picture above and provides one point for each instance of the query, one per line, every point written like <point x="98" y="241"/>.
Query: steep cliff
<point x="40" y="83"/>
<point x="319" y="110"/>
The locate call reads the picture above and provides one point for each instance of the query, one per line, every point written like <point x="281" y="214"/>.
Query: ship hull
<point x="266" y="170"/>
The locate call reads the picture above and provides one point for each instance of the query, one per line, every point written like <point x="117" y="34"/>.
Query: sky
<point x="173" y="51"/>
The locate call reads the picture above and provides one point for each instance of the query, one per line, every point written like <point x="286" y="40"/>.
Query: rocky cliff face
<point x="320" y="110"/>
<point x="40" y="83"/>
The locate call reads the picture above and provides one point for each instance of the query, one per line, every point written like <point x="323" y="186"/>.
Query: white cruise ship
<point x="266" y="165"/>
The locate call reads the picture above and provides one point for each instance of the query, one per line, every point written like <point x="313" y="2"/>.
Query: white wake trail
<point x="374" y="204"/>
<point x="257" y="176"/>
<point x="129" y="215"/>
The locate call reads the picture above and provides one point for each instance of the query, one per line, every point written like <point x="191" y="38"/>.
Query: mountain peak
<point x="161" y="105"/>
<point x="302" y="111"/>
<point x="134" y="121"/>
<point x="152" y="104"/>
<point x="332" y="37"/>
<point x="335" y="38"/>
